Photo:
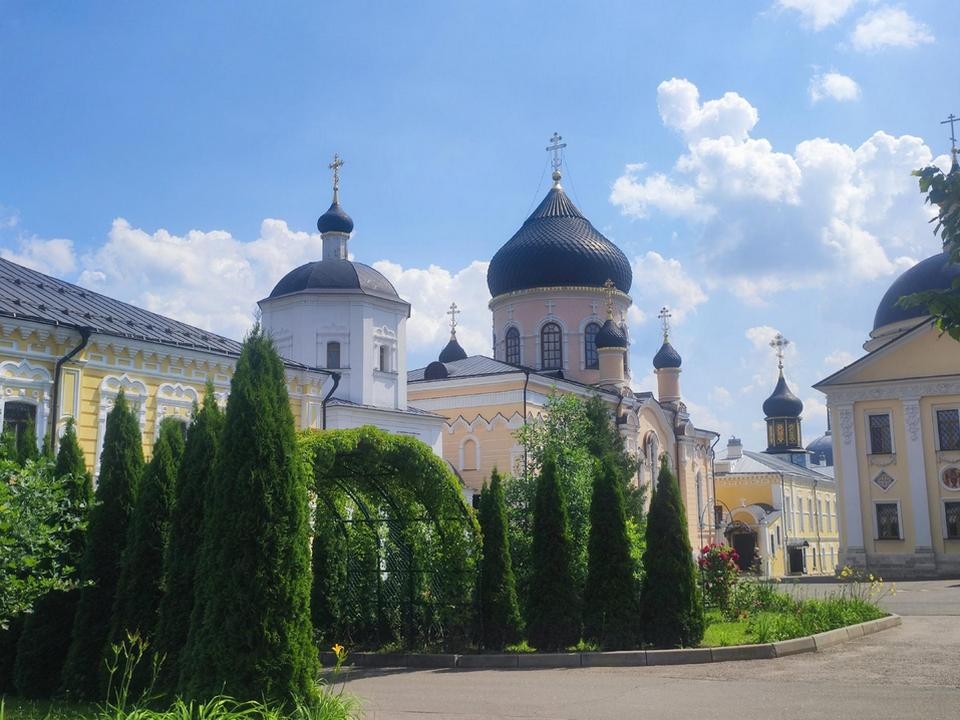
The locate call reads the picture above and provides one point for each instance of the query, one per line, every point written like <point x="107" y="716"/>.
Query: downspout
<point x="85" y="333"/>
<point x="816" y="504"/>
<point x="713" y="483"/>
<point x="323" y="405"/>
<point x="787" y="519"/>
<point x="526" y="381"/>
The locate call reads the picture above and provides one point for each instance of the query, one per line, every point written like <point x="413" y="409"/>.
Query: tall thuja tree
<point x="140" y="587"/>
<point x="553" y="610"/>
<point x="603" y="439"/>
<point x="186" y="528"/>
<point x="43" y="646"/>
<point x="671" y="605"/>
<point x="329" y="564"/>
<point x="121" y="465"/>
<point x="611" y="596"/>
<point x="250" y="631"/>
<point x="499" y="610"/>
<point x="27" y="444"/>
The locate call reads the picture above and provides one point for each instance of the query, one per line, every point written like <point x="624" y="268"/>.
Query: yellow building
<point x="896" y="441"/>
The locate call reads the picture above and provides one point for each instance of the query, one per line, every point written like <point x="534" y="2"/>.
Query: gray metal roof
<point x="755" y="462"/>
<point x="470" y="367"/>
<point x="411" y="410"/>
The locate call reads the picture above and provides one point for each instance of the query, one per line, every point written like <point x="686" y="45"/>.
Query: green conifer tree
<point x="329" y="564"/>
<point x="611" y="598"/>
<point x="43" y="645"/>
<point x="139" y="589"/>
<point x="8" y="446"/>
<point x="121" y="465"/>
<point x="250" y="632"/>
<point x="499" y="610"/>
<point x="186" y="527"/>
<point x="553" y="611"/>
<point x="671" y="605"/>
<point x="27" y="444"/>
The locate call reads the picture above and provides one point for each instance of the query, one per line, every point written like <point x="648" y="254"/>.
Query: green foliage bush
<point x="121" y="465"/>
<point x="499" y="610"/>
<point x="250" y="632"/>
<point x="671" y="606"/>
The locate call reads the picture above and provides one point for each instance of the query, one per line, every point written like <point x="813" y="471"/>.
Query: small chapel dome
<point x="335" y="219"/>
<point x="557" y="247"/>
<point x="610" y="336"/>
<point x="452" y="351"/>
<point x="934" y="273"/>
<point x="666" y="357"/>
<point x="436" y="371"/>
<point x="335" y="274"/>
<point x="821" y="450"/>
<point x="782" y="402"/>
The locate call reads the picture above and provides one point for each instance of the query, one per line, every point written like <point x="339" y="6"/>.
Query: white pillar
<point x="918" y="476"/>
<point x="850" y="486"/>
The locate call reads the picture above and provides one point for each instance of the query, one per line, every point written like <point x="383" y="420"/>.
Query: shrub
<point x="250" y="629"/>
<point x="671" y="606"/>
<point x="553" y="617"/>
<point x="720" y="573"/>
<point x="329" y="564"/>
<point x="499" y="611"/>
<point x="121" y="464"/>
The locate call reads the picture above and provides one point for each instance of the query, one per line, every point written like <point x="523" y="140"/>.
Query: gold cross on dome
<point x="779" y="343"/>
<point x="608" y="288"/>
<point x="665" y="316"/>
<point x="335" y="166"/>
<point x="453" y="312"/>
<point x="556" y="148"/>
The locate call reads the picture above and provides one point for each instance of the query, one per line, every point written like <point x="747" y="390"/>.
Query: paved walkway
<point x="908" y="672"/>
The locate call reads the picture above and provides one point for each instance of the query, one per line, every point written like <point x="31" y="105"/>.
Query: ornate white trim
<point x="172" y="398"/>
<point x="911" y="416"/>
<point x="846" y="424"/>
<point x="22" y="381"/>
<point x="898" y="390"/>
<point x="135" y="390"/>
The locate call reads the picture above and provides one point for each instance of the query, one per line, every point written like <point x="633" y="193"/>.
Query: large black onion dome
<point x="666" y="357"/>
<point x="335" y="274"/>
<point x="611" y="336"/>
<point x="557" y="247"/>
<point x="436" y="371"/>
<point x="934" y="273"/>
<point x="452" y="351"/>
<point x="782" y="403"/>
<point x="335" y="219"/>
<point x="821" y="450"/>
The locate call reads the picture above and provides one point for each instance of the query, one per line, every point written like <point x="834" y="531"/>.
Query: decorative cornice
<point x="894" y="390"/>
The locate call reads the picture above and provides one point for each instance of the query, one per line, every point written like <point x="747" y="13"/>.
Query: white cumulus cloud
<point x="889" y="27"/>
<point x="817" y="14"/>
<point x="659" y="281"/>
<point x="833" y="86"/>
<point x="53" y="257"/>
<point x="637" y="197"/>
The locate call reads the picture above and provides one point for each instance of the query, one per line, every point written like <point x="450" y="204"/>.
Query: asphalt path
<point x="912" y="671"/>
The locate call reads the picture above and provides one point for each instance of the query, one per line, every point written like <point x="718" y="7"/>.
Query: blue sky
<point x="752" y="158"/>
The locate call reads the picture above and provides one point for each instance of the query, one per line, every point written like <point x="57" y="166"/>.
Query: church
<point x="559" y="296"/>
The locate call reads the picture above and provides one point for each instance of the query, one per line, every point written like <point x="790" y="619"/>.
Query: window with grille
<point x="952" y="512"/>
<point x="881" y="442"/>
<point x="333" y="355"/>
<point x="888" y="521"/>
<point x="948" y="429"/>
<point x="591" y="357"/>
<point x="513" y="346"/>
<point x="551" y="357"/>
<point x="17" y="417"/>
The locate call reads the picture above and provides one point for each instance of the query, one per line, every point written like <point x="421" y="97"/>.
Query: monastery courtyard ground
<point x="912" y="671"/>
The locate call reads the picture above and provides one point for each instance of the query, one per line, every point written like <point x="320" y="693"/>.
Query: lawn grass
<point x="15" y="708"/>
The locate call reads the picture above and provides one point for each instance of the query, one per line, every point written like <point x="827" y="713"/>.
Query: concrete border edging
<point x="620" y="658"/>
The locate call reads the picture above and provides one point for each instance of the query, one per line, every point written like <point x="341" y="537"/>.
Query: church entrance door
<point x="745" y="543"/>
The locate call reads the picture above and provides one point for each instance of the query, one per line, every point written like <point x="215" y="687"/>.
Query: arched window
<point x="17" y="417"/>
<point x="652" y="451"/>
<point x="384" y="358"/>
<point x="333" y="355"/>
<point x="513" y="346"/>
<point x="551" y="356"/>
<point x="626" y="365"/>
<point x="469" y="453"/>
<point x="591" y="358"/>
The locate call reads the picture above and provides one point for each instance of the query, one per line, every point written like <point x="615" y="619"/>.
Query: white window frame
<point x="866" y="432"/>
<point x="943" y="516"/>
<point x="936" y="423"/>
<point x="876" y="525"/>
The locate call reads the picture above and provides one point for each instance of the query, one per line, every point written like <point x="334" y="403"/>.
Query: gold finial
<point x="556" y="147"/>
<point x="335" y="166"/>
<point x="608" y="288"/>
<point x="665" y="316"/>
<point x="951" y="119"/>
<point x="779" y="343"/>
<point x="453" y="312"/>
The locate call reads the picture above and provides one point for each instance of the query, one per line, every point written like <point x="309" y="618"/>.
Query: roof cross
<point x="335" y="166"/>
<point x="556" y="147"/>
<point x="453" y="312"/>
<point x="608" y="293"/>
<point x="665" y="316"/>
<point x="779" y="343"/>
<point x="951" y="119"/>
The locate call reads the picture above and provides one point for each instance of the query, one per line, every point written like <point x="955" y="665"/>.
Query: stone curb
<point x="622" y="658"/>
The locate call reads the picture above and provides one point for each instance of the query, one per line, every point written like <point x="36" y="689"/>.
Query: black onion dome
<point x="611" y="336"/>
<point x="335" y="274"/>
<point x="557" y="247"/>
<point x="335" y="219"/>
<point x="782" y="403"/>
<point x="934" y="273"/>
<point x="436" y="371"/>
<point x="821" y="450"/>
<point x="452" y="351"/>
<point x="666" y="357"/>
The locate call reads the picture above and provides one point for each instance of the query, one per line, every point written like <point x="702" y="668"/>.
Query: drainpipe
<point x="323" y="405"/>
<point x="816" y="506"/>
<point x="713" y="482"/>
<point x="85" y="333"/>
<point x="787" y="519"/>
<point x="526" y="381"/>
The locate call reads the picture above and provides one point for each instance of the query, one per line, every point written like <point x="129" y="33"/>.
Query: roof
<point x="452" y="351"/>
<point x="840" y="376"/>
<point x="30" y="295"/>
<point x="557" y="247"/>
<point x="610" y="336"/>
<point x="934" y="273"/>
<point x="762" y="463"/>
<point x="822" y="447"/>
<point x="411" y="410"/>
<point x="335" y="219"/>
<point x="666" y="357"/>
<point x="782" y="402"/>
<point x="335" y="274"/>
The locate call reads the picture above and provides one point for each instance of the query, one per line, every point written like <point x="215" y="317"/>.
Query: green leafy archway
<point x="395" y="543"/>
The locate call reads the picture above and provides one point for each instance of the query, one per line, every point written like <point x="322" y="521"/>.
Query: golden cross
<point x="665" y="316"/>
<point x="453" y="312"/>
<point x="779" y="343"/>
<point x="335" y="166"/>
<point x="608" y="287"/>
